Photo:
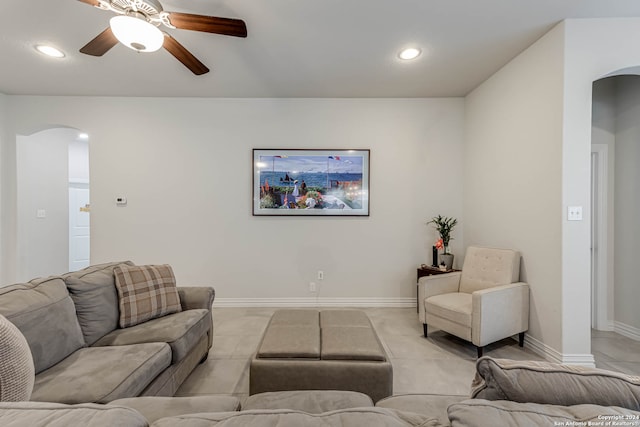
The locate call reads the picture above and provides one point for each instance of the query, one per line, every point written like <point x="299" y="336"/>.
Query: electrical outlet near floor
<point x="312" y="287"/>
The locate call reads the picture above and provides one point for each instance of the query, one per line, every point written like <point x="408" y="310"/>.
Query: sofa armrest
<point x="553" y="384"/>
<point x="192" y="297"/>
<point x="429" y="286"/>
<point x="499" y="312"/>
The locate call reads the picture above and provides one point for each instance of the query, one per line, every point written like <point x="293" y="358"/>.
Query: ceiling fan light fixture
<point x="136" y="33"/>
<point x="409" y="53"/>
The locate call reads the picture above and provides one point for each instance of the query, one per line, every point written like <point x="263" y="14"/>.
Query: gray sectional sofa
<point x="81" y="355"/>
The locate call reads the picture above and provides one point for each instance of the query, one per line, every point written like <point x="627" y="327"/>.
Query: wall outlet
<point x="320" y="275"/>
<point x="574" y="213"/>
<point x="312" y="287"/>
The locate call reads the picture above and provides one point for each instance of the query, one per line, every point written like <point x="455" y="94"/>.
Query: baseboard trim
<point x="626" y="330"/>
<point x="554" y="356"/>
<point x="403" y="302"/>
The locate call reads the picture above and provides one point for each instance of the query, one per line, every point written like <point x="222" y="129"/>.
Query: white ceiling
<point x="295" y="48"/>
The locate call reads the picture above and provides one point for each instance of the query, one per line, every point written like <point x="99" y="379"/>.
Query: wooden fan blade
<point x="95" y="3"/>
<point x="208" y="24"/>
<point x="184" y="56"/>
<point x="101" y="44"/>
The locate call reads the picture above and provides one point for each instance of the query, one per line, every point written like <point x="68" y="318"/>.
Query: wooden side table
<point x="428" y="271"/>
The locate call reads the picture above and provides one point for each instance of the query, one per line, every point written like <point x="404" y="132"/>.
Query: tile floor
<point x="442" y="364"/>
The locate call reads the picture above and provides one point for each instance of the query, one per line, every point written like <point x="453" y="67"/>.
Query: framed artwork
<point x="311" y="182"/>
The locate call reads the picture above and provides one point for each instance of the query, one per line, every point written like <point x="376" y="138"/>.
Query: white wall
<point x="627" y="202"/>
<point x="185" y="167"/>
<point x="594" y="48"/>
<point x="513" y="174"/>
<point x="78" y="160"/>
<point x="6" y="256"/>
<point x="43" y="184"/>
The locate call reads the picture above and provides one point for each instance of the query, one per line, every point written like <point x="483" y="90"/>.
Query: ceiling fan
<point x="136" y="26"/>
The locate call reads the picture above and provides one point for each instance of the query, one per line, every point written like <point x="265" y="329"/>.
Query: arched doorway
<point x="52" y="202"/>
<point x="615" y="209"/>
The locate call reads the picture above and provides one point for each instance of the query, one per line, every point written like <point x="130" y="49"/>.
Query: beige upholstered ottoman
<point x="321" y="350"/>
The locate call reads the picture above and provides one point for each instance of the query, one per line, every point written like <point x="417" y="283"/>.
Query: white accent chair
<point x="483" y="303"/>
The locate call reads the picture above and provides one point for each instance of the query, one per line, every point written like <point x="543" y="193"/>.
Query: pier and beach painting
<point x="311" y="182"/>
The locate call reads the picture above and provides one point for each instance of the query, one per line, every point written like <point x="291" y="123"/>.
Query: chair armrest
<point x="192" y="297"/>
<point x="438" y="284"/>
<point x="499" y="312"/>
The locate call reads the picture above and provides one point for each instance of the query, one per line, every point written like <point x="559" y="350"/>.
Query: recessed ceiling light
<point x="83" y="136"/>
<point x="50" y="51"/>
<point x="409" y="53"/>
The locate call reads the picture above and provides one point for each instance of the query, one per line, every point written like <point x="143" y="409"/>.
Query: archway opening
<point x="53" y="210"/>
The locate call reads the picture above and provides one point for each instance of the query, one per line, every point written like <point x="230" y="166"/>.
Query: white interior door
<point x="79" y="221"/>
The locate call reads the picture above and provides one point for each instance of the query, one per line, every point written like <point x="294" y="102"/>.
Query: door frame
<point x="601" y="318"/>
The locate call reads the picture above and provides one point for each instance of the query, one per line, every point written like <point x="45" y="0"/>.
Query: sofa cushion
<point x="145" y="292"/>
<point x="434" y="405"/>
<point x="94" y="294"/>
<point x="180" y="330"/>
<point x="549" y="383"/>
<point x="44" y="312"/>
<point x="102" y="374"/>
<point x="482" y="413"/>
<point x="369" y="417"/>
<point x="45" y="414"/>
<point x="310" y="401"/>
<point x="156" y="407"/>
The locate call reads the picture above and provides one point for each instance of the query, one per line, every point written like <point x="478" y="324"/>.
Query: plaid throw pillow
<point x="145" y="292"/>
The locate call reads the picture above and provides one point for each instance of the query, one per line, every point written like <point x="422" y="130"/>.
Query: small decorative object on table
<point x="444" y="225"/>
<point x="443" y="266"/>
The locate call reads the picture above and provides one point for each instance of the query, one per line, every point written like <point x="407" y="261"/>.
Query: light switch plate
<point x="41" y="213"/>
<point x="574" y="213"/>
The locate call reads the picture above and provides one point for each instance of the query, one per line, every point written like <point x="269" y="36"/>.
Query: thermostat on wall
<point x="121" y="201"/>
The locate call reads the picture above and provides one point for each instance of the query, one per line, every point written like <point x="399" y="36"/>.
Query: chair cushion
<point x="310" y="401"/>
<point x="46" y="414"/>
<point x="145" y="292"/>
<point x="93" y="290"/>
<point x="180" y="330"/>
<point x="102" y="374"/>
<point x="455" y="307"/>
<point x="482" y="413"/>
<point x="17" y="372"/>
<point x="556" y="384"/>
<point x="44" y="312"/>
<point x="487" y="267"/>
